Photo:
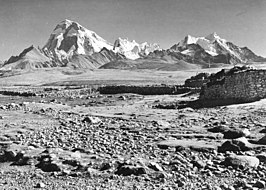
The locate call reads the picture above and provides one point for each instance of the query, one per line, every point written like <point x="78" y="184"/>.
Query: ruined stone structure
<point x="197" y="81"/>
<point x="146" y="90"/>
<point x="242" y="86"/>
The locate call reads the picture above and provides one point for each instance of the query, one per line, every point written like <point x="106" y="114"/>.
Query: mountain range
<point x="72" y="45"/>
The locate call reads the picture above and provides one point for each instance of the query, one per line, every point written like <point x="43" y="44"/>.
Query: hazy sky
<point x="27" y="22"/>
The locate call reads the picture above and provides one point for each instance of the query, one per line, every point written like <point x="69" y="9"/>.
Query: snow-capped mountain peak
<point x="209" y="39"/>
<point x="212" y="44"/>
<point x="132" y="49"/>
<point x="70" y="38"/>
<point x="71" y="44"/>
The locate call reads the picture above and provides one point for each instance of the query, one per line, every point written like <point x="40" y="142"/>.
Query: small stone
<point x="126" y="170"/>
<point x="92" y="120"/>
<point x="199" y="163"/>
<point x="155" y="166"/>
<point x="218" y="129"/>
<point x="262" y="157"/>
<point x="180" y="183"/>
<point x="40" y="185"/>
<point x="236" y="133"/>
<point x="260" y="184"/>
<point x="262" y="141"/>
<point x="224" y="186"/>
<point x="217" y="188"/>
<point x="241" y="161"/>
<point x="105" y="166"/>
<point x="161" y="124"/>
<point x="122" y="97"/>
<point x="239" y="144"/>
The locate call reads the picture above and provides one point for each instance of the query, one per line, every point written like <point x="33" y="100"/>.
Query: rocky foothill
<point x="121" y="141"/>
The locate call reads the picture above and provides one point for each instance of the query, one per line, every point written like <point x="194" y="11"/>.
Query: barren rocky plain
<point x="59" y="132"/>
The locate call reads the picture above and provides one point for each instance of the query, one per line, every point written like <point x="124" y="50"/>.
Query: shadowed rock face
<point x="70" y="38"/>
<point x="16" y="58"/>
<point x="95" y="60"/>
<point x="68" y="43"/>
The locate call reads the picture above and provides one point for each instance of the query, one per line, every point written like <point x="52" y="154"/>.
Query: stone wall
<point x="14" y="93"/>
<point x="243" y="86"/>
<point x="197" y="81"/>
<point x="145" y="90"/>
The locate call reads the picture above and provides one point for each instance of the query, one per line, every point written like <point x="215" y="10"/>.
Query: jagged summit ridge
<point x="213" y="36"/>
<point x="132" y="49"/>
<point x="207" y="43"/>
<point x="212" y="44"/>
<point x="70" y="38"/>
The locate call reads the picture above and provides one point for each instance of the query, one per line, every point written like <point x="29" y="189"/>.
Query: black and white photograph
<point x="132" y="94"/>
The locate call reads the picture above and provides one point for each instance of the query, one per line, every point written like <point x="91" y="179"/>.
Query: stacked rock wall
<point x="145" y="90"/>
<point x="244" y="86"/>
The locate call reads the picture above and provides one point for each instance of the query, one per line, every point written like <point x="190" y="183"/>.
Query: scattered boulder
<point x="218" y="129"/>
<point x="126" y="170"/>
<point x="155" y="166"/>
<point x="48" y="160"/>
<point x="28" y="157"/>
<point x="239" y="144"/>
<point x="161" y="124"/>
<point x="56" y="159"/>
<point x="187" y="109"/>
<point x="236" y="133"/>
<point x="20" y="153"/>
<point x="262" y="141"/>
<point x="241" y="161"/>
<point x="260" y="184"/>
<point x="92" y="120"/>
<point x="192" y="144"/>
<point x="263" y="130"/>
<point x="40" y="185"/>
<point x="199" y="163"/>
<point x="105" y="166"/>
<point x="262" y="157"/>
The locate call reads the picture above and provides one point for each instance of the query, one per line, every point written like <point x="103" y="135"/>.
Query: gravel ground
<point x="49" y="145"/>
